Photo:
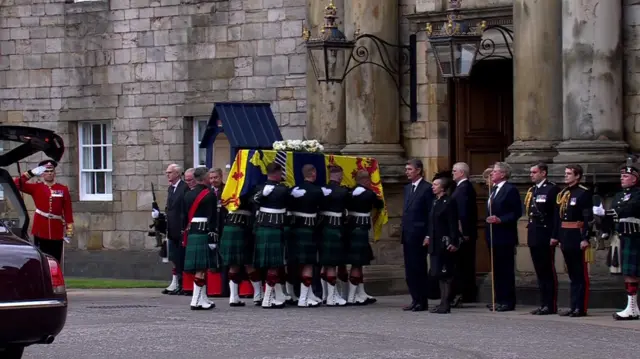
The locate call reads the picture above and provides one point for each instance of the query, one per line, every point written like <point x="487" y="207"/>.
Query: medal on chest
<point x="573" y="201"/>
<point x="626" y="197"/>
<point x="56" y="193"/>
<point x="541" y="198"/>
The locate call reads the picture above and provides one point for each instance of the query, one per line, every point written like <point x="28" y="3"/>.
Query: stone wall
<point x="145" y="65"/>
<point x="631" y="74"/>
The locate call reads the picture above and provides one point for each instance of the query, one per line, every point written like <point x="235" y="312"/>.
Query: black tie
<point x="413" y="188"/>
<point x="494" y="189"/>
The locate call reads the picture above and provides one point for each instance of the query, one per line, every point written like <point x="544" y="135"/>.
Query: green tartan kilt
<point x="630" y="255"/>
<point x="306" y="251"/>
<point x="198" y="256"/>
<point x="290" y="246"/>
<point x="269" y="248"/>
<point x="360" y="252"/>
<point x="236" y="245"/>
<point x="332" y="248"/>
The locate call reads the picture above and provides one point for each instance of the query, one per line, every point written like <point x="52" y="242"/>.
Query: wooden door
<point x="483" y="129"/>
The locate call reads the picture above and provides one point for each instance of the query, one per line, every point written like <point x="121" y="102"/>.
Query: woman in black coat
<point x="443" y="240"/>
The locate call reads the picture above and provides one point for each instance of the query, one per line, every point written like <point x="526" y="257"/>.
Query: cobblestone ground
<point x="100" y="325"/>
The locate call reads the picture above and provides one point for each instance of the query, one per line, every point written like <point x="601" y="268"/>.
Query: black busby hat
<point x="48" y="163"/>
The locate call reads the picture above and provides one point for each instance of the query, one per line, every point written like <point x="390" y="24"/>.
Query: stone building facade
<point x="129" y="84"/>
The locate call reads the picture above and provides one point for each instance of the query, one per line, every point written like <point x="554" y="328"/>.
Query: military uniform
<point x="201" y="240"/>
<point x="271" y="199"/>
<point x="540" y="204"/>
<point x="574" y="212"/>
<point x="625" y="214"/>
<point x="236" y="246"/>
<point x="360" y="203"/>
<point x="53" y="218"/>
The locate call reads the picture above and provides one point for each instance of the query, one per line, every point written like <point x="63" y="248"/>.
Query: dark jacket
<point x="540" y="207"/>
<point x="415" y="214"/>
<point x="443" y="222"/>
<point x="174" y="210"/>
<point x="465" y="198"/>
<point x="507" y="206"/>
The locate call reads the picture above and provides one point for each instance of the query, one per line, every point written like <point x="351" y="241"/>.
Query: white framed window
<point x="96" y="162"/>
<point x="199" y="154"/>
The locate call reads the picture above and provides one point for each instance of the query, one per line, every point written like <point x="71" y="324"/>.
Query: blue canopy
<point x="246" y="125"/>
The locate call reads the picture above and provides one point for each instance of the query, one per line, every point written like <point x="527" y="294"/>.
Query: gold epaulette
<point x="527" y="200"/>
<point x="562" y="200"/>
<point x="583" y="187"/>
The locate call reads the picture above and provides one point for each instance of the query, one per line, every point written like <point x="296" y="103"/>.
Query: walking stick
<point x="493" y="288"/>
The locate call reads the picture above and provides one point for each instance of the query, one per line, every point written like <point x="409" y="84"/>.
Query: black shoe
<point x="420" y="308"/>
<point x="536" y="311"/>
<point x="565" y="313"/>
<point x="441" y="310"/>
<point x="237" y="304"/>
<point x="578" y="313"/>
<point x="504" y="308"/>
<point x="457" y="301"/>
<point x="409" y="307"/>
<point x="545" y="311"/>
<point x="178" y="291"/>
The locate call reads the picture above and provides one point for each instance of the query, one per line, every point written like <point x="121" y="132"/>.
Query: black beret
<point x="48" y="163"/>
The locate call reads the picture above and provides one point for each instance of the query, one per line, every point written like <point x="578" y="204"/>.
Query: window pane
<point x="97" y="157"/>
<point x="109" y="158"/>
<point x="104" y="133"/>
<point x="202" y="127"/>
<point x="108" y="184"/>
<point x="202" y="156"/>
<point x="87" y="158"/>
<point x="86" y="134"/>
<point x="96" y="134"/>
<point x="100" y="183"/>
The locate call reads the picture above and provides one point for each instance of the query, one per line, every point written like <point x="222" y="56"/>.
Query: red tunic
<point x="53" y="213"/>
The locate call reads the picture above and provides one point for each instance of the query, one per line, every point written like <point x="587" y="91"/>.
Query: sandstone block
<point x="115" y="239"/>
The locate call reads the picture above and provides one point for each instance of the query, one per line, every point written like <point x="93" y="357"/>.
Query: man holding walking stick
<point x="504" y="208"/>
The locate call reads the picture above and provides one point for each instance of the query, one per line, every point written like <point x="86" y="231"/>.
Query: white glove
<point x="297" y="192"/>
<point x="38" y="170"/>
<point x="212" y="246"/>
<point x="326" y="191"/>
<point x="358" y="191"/>
<point x="155" y="214"/>
<point x="67" y="239"/>
<point x="598" y="211"/>
<point x="267" y="189"/>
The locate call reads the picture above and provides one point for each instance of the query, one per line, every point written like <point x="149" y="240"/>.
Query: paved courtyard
<point x="106" y="324"/>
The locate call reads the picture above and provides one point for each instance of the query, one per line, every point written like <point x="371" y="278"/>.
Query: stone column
<point x="592" y="86"/>
<point x="325" y="102"/>
<point x="538" y="82"/>
<point x="372" y="103"/>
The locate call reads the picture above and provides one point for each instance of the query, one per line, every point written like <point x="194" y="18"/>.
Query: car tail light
<point x="57" y="279"/>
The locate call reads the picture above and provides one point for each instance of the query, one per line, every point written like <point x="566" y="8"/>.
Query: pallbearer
<point x="53" y="218"/>
<point x="360" y="204"/>
<point x="304" y="206"/>
<point x="625" y="214"/>
<point x="271" y="199"/>
<point x="332" y="246"/>
<point x="201" y="237"/>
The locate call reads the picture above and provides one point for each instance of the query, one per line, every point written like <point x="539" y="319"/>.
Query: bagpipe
<point x="158" y="228"/>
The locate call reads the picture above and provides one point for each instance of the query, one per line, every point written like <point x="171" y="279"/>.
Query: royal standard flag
<point x="249" y="170"/>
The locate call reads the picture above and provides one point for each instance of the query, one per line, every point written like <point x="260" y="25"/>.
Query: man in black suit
<point x="504" y="208"/>
<point x="173" y="211"/>
<point x="418" y="199"/>
<point x="540" y="207"/>
<point x="464" y="195"/>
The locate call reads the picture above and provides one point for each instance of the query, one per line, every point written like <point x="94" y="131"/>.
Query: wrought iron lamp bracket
<point x="487" y="48"/>
<point x="396" y="60"/>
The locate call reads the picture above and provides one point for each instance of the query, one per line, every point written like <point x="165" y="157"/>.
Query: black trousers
<point x="416" y="272"/>
<point x="52" y="247"/>
<point x="464" y="280"/>
<point x="579" y="275"/>
<point x="504" y="274"/>
<point x="544" y="263"/>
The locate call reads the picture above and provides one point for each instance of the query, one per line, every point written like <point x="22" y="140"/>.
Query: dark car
<point x="33" y="297"/>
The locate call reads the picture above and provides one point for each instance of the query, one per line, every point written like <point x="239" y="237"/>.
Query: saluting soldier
<point x="53" y="218"/>
<point x="304" y="206"/>
<point x="360" y="204"/>
<point x="271" y="198"/>
<point x="332" y="246"/>
<point x="201" y="237"/>
<point x="540" y="203"/>
<point x="624" y="213"/>
<point x="574" y="212"/>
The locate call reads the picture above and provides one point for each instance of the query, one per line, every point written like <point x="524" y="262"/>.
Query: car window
<point x="11" y="213"/>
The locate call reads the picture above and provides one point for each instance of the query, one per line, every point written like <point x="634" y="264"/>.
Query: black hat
<point x="48" y="163"/>
<point x="630" y="168"/>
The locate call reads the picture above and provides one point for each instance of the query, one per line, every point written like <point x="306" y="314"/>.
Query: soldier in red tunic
<point x="53" y="218"/>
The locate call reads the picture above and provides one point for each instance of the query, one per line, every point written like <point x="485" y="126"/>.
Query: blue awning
<point x="246" y="125"/>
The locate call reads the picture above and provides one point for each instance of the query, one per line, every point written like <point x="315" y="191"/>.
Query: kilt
<point x="198" y="256"/>
<point x="269" y="249"/>
<point x="290" y="246"/>
<point x="630" y="254"/>
<point x="236" y="245"/>
<point x="176" y="250"/>
<point x="360" y="252"/>
<point x="332" y="248"/>
<point x="306" y="251"/>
